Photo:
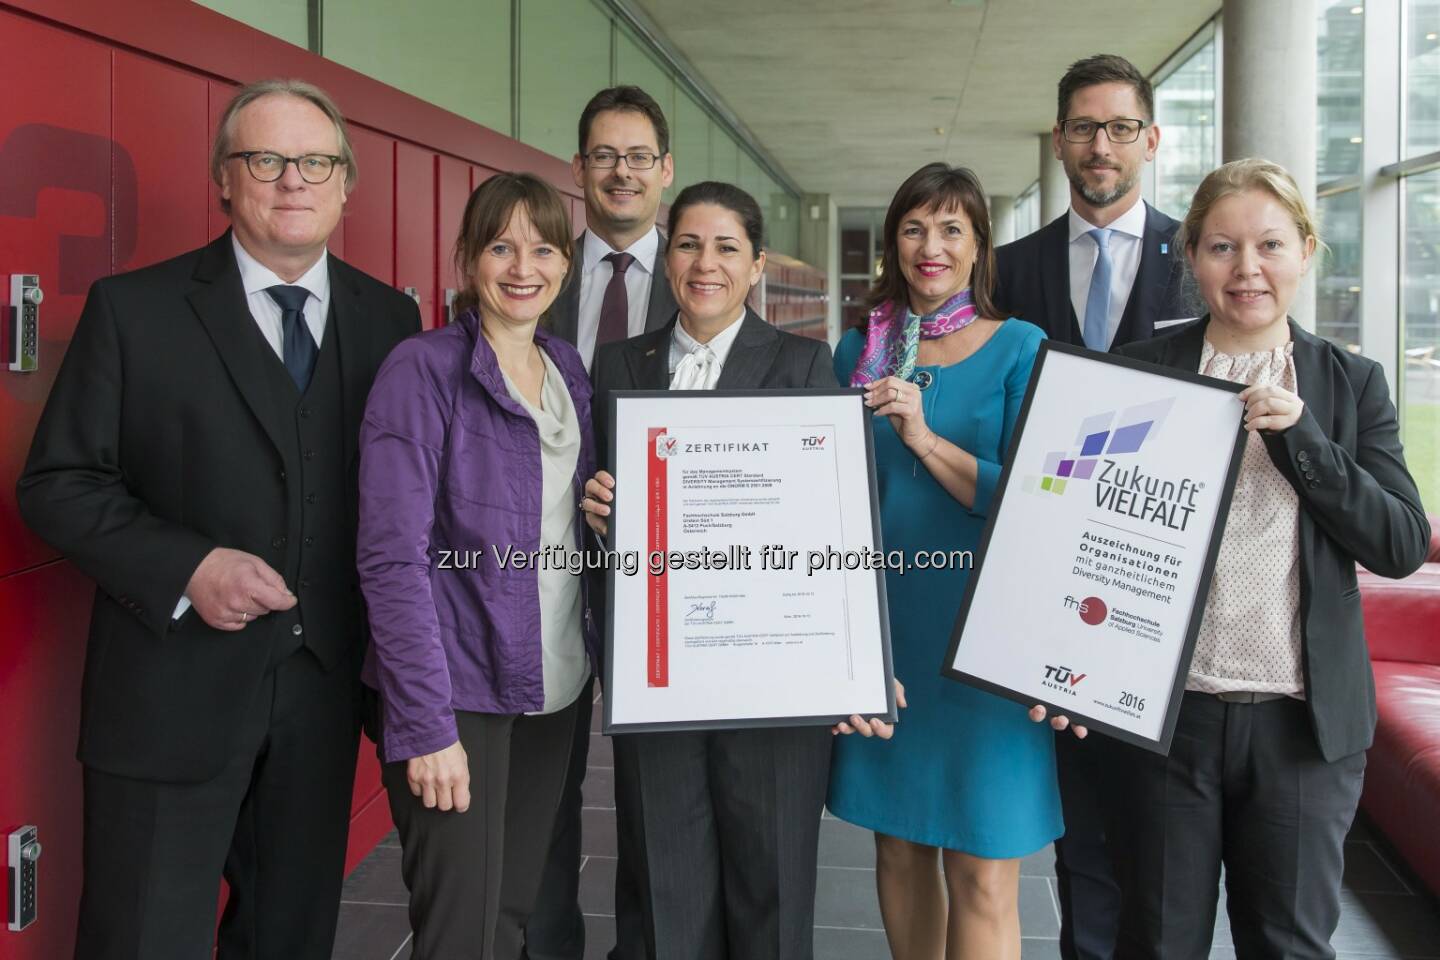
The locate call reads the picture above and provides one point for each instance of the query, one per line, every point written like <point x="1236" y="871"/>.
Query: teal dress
<point x="966" y="770"/>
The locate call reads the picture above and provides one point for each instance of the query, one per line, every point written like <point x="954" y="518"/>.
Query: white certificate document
<point x="1096" y="560"/>
<point x="757" y="600"/>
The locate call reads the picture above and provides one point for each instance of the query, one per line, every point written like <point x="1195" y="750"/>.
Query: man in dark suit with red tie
<point x="617" y="289"/>
<point x="1103" y="274"/>
<point x="197" y="459"/>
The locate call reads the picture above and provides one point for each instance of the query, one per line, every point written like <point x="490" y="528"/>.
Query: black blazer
<point x="565" y="311"/>
<point x="1032" y="281"/>
<point x="158" y="444"/>
<point x="761" y="358"/>
<point x="1358" y="503"/>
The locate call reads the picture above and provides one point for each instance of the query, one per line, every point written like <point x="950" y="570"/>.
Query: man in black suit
<point x="1103" y="274"/>
<point x="197" y="458"/>
<point x="617" y="289"/>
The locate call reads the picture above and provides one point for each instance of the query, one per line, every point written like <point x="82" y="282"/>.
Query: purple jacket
<point x="449" y="462"/>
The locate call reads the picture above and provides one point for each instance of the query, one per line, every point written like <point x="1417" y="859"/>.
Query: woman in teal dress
<point x="968" y="781"/>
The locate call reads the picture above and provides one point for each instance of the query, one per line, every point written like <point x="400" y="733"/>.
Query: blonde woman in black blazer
<point x="1268" y="760"/>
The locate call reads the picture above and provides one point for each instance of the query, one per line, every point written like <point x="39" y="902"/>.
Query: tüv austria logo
<point x="1110" y="434"/>
<point x="1062" y="679"/>
<point x="666" y="447"/>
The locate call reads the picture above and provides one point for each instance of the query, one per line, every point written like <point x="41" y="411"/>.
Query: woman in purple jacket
<point x="474" y="450"/>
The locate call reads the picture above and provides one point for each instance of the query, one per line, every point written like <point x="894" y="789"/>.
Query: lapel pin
<point x="650" y="352"/>
<point x="1164" y="248"/>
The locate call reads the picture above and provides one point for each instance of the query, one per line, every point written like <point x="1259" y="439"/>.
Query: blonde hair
<point x="1238" y="176"/>
<point x="260" y="89"/>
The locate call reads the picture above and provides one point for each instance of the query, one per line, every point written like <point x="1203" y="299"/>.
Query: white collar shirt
<point x="695" y="365"/>
<point x="256" y="278"/>
<point x="595" y="274"/>
<point x="1127" y="237"/>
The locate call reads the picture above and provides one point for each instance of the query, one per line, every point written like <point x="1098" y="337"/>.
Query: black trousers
<point x="273" y="822"/>
<point x="725" y="827"/>
<point x="1244" y="786"/>
<point x="556" y="929"/>
<point x="1085" y="882"/>
<point x="473" y="876"/>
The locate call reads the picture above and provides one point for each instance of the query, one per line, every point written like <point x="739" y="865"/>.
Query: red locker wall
<point x="105" y="126"/>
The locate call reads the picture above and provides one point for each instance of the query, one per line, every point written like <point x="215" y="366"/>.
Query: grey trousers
<point x="721" y="836"/>
<point x="473" y="876"/>
<point x="1244" y="785"/>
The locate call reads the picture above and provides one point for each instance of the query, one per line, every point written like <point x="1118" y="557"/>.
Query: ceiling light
<point x="1432" y="36"/>
<point x="1357" y="139"/>
<point x="939" y="131"/>
<point x="1357" y="10"/>
<point x="1354" y="289"/>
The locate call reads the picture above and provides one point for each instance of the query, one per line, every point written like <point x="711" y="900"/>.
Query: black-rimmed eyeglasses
<point x="268" y="167"/>
<point x="605" y="159"/>
<point x="1122" y="130"/>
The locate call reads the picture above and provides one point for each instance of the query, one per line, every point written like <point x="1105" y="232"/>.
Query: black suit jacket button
<point x="309" y="498"/>
<point x="282" y="476"/>
<point x="297" y="630"/>
<point x="309" y="454"/>
<point x="1303" y="455"/>
<point x="309" y="541"/>
<point x="1313" y="483"/>
<point x="278" y="542"/>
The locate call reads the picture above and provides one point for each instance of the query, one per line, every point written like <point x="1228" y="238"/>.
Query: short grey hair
<point x="260" y="89"/>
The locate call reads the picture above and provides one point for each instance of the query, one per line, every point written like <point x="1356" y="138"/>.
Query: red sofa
<point x="1402" y="775"/>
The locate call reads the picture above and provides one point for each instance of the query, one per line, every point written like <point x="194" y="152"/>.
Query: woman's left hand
<point x="872" y="727"/>
<point x="900" y="401"/>
<point x="1271" y="408"/>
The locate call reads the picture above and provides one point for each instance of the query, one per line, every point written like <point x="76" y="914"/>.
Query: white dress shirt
<point x="695" y="365"/>
<point x="255" y="277"/>
<point x="1127" y="237"/>
<point x="595" y="274"/>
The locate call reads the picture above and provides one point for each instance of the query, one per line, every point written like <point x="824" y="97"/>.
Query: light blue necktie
<point x="1097" y="303"/>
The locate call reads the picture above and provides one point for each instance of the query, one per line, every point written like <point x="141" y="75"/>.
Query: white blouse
<point x="1249" y="637"/>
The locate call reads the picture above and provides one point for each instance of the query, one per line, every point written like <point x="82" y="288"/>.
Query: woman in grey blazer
<point x="1268" y="759"/>
<point x="717" y="829"/>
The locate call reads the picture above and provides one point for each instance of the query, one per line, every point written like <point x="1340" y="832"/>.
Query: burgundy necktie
<point x="615" y="308"/>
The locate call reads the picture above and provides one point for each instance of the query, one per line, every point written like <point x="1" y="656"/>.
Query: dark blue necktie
<point x="298" y="346"/>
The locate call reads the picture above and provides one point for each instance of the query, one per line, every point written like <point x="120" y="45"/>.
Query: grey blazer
<point x="565" y="311"/>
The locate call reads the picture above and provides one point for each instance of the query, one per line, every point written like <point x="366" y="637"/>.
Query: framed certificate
<point x="1095" y="563"/>
<point x="751" y="523"/>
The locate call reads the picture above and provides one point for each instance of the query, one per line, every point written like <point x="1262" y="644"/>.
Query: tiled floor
<point x="1386" y="916"/>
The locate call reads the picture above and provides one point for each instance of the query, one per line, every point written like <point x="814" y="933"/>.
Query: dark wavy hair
<point x="725" y="195"/>
<point x="487" y="214"/>
<point x="938" y="186"/>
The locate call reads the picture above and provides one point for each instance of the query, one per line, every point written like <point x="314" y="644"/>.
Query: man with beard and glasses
<point x="1102" y="275"/>
<point x="617" y="289"/>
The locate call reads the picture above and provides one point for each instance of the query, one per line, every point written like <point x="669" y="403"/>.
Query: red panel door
<point x="415" y="227"/>
<point x="370" y="209"/>
<point x="57" y="216"/>
<point x="452" y="192"/>
<point x="218" y="94"/>
<point x="166" y="163"/>
<point x="47" y="611"/>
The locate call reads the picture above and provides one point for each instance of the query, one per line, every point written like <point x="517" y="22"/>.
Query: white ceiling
<point x="847" y="95"/>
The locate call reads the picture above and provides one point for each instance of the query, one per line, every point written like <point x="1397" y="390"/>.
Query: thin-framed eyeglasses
<point x="268" y="167"/>
<point x="1119" y="130"/>
<point x="605" y="159"/>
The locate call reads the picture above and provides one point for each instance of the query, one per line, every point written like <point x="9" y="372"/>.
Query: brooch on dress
<point x="922" y="379"/>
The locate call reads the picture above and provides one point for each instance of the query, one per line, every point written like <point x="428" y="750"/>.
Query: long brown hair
<point x="487" y="214"/>
<point x="938" y="186"/>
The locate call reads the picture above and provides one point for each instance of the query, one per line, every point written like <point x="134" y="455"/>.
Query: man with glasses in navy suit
<point x="1103" y="274"/>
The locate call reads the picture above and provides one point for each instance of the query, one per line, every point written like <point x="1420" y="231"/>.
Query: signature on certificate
<point x="700" y="612"/>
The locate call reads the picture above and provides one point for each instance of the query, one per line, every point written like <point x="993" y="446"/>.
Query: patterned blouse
<point x="1249" y="637"/>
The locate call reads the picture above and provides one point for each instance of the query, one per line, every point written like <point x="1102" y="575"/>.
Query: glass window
<point x="690" y="144"/>
<point x="724" y="155"/>
<point x="1422" y="77"/>
<point x="1185" y="113"/>
<point x="1337" y="277"/>
<point x="782" y="218"/>
<point x="286" y="19"/>
<point x="564" y="61"/>
<point x="1027" y="211"/>
<point x="636" y="67"/>
<point x="456" y="56"/>
<point x="1340" y="71"/>
<point x="1420" y="333"/>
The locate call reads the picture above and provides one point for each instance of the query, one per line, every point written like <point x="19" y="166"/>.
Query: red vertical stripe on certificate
<point x="657" y="659"/>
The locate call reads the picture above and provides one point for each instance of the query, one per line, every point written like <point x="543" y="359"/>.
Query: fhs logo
<point x="1095" y="437"/>
<point x="1092" y="609"/>
<point x="1062" y="679"/>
